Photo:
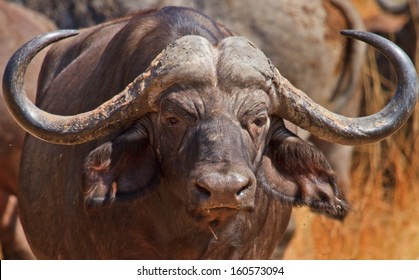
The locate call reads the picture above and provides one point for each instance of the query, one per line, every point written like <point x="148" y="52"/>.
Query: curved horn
<point x="297" y="107"/>
<point x="172" y="65"/>
<point x="54" y="128"/>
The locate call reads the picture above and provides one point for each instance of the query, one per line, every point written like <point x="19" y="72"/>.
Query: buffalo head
<point x="206" y="125"/>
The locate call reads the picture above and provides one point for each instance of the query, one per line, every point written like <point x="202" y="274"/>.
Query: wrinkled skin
<point x="210" y="173"/>
<point x="17" y="25"/>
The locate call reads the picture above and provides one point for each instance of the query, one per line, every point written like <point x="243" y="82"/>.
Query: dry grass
<point x="384" y="220"/>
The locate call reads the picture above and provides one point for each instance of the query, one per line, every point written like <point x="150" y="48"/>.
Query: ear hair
<point x="119" y="170"/>
<point x="298" y="173"/>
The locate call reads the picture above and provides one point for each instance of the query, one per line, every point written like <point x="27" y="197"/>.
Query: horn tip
<point x="350" y="32"/>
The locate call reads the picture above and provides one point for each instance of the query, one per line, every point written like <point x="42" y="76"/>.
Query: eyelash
<point x="172" y="121"/>
<point x="260" y="121"/>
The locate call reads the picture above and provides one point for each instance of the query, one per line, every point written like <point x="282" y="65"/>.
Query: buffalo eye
<point x="172" y="121"/>
<point x="260" y="121"/>
<point x="174" y="115"/>
<point x="256" y="126"/>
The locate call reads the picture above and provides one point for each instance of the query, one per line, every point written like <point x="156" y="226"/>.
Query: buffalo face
<point x="211" y="141"/>
<point x="204" y="145"/>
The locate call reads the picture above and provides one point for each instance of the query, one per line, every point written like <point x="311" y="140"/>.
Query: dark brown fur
<point x="198" y="179"/>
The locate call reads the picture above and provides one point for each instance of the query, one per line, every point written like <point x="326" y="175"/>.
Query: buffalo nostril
<point x="243" y="190"/>
<point x="224" y="190"/>
<point x="203" y="192"/>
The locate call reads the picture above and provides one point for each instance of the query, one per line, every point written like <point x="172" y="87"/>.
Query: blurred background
<point x="381" y="180"/>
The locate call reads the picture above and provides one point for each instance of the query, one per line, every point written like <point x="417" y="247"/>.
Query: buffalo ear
<point x="122" y="169"/>
<point x="298" y="173"/>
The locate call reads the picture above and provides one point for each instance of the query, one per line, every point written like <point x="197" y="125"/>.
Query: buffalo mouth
<point x="215" y="216"/>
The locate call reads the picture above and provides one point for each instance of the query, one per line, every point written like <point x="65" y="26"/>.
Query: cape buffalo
<point x="162" y="136"/>
<point x="300" y="37"/>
